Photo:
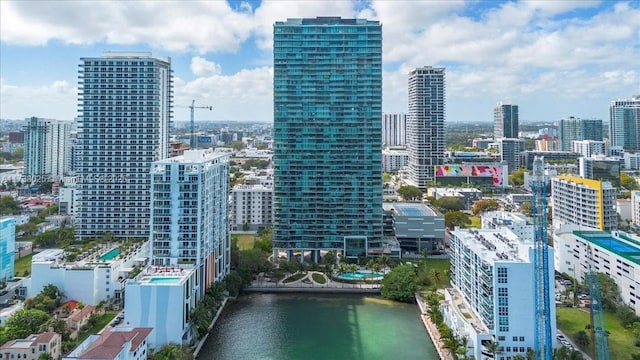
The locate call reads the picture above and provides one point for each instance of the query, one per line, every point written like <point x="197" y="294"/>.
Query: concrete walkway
<point x="261" y="284"/>
<point x="432" y="330"/>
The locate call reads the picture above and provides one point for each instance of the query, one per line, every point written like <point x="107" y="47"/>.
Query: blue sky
<point x="553" y="58"/>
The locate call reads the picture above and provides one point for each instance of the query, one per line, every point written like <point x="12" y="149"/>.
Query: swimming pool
<point x="164" y="280"/>
<point x="109" y="255"/>
<point x="361" y="275"/>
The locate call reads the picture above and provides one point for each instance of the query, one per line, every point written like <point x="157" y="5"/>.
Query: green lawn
<point x="294" y="277"/>
<point x="475" y="222"/>
<point x="103" y="320"/>
<point x="22" y="264"/>
<point x="245" y="241"/>
<point x="319" y="278"/>
<point x="571" y="320"/>
<point x="442" y="266"/>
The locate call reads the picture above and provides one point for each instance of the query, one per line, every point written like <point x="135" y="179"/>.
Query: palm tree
<point x="353" y="268"/>
<point x="342" y="268"/>
<point x="384" y="261"/>
<point x="560" y="353"/>
<point x="518" y="357"/>
<point x="451" y="343"/>
<point x="493" y="347"/>
<point x="436" y="276"/>
<point x="531" y="355"/>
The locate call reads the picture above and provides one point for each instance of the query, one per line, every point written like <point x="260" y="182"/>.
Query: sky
<point x="552" y="58"/>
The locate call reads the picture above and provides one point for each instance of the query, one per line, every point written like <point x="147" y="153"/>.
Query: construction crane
<point x="598" y="332"/>
<point x="193" y="143"/>
<point x="542" y="292"/>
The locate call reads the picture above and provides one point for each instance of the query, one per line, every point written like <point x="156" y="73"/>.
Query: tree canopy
<point x="8" y="206"/>
<point x="410" y="192"/>
<point x="517" y="177"/>
<point x="25" y="322"/>
<point x="628" y="182"/>
<point x="484" y="205"/>
<point x="456" y="218"/>
<point x="448" y="203"/>
<point x="400" y="284"/>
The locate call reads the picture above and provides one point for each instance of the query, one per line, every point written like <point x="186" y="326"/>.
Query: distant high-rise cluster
<point x="576" y="129"/>
<point x="125" y="113"/>
<point x="46" y="149"/>
<point x="327" y="135"/>
<point x="394" y="129"/>
<point x="505" y="118"/>
<point x="425" y="124"/>
<point x="624" y="129"/>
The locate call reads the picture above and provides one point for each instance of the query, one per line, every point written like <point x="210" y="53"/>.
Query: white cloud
<point x="203" y="67"/>
<point x="57" y="100"/>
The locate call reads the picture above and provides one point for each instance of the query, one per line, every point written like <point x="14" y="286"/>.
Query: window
<point x="521" y="338"/>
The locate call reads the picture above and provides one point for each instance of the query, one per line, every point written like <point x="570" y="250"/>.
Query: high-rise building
<point x="7" y="248"/>
<point x="189" y="214"/>
<point x="583" y="202"/>
<point x="505" y="119"/>
<point x="487" y="301"/>
<point x="510" y="150"/>
<point x="624" y="129"/>
<point x="589" y="148"/>
<point x="576" y="129"/>
<point x="251" y="207"/>
<point x="394" y="129"/>
<point x="327" y="135"/>
<point x="46" y="149"/>
<point x="125" y="108"/>
<point x="425" y="124"/>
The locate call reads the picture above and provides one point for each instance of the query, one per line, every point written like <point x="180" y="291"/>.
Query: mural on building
<point x="494" y="171"/>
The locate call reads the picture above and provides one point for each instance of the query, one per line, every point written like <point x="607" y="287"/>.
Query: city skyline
<point x="486" y="47"/>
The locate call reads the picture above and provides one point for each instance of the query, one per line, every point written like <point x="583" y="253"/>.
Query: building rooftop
<point x="410" y="209"/>
<point x="494" y="245"/>
<point x="618" y="243"/>
<point x="110" y="343"/>
<point x="163" y="275"/>
<point x="193" y="157"/>
<point x="30" y="341"/>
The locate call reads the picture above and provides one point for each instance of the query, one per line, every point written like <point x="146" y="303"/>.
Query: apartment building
<point x="251" y="207"/>
<point x="583" y="202"/>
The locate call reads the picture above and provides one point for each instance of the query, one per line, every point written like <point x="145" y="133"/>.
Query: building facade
<point x="510" y="150"/>
<point x="394" y="129"/>
<point x="624" y="129"/>
<point x="575" y="129"/>
<point x="251" y="207"/>
<point x="600" y="168"/>
<point x="589" y="148"/>
<point x="114" y="343"/>
<point x="7" y="248"/>
<point x="189" y="214"/>
<point x="33" y="347"/>
<point x="47" y="149"/>
<point x="394" y="159"/>
<point x="425" y="124"/>
<point x="505" y="121"/>
<point x="327" y="135"/>
<point x="583" y="202"/>
<point x="635" y="208"/>
<point x="614" y="254"/>
<point x="125" y="114"/>
<point x="519" y="224"/>
<point x="416" y="226"/>
<point x="488" y="301"/>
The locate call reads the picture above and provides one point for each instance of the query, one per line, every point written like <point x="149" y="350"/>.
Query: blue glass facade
<point x="7" y="248"/>
<point x="327" y="123"/>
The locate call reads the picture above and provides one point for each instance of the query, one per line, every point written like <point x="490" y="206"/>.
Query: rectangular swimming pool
<point x="164" y="280"/>
<point x="109" y="255"/>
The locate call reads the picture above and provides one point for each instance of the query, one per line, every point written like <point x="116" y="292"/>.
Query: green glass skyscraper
<point x="327" y="122"/>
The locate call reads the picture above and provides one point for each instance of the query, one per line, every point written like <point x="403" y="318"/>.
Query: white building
<point x="189" y="208"/>
<point x="125" y="128"/>
<point x="118" y="343"/>
<point x="46" y="149"/>
<point x="623" y="209"/>
<point x="482" y="143"/>
<point x="492" y="299"/>
<point x="587" y="148"/>
<point x="68" y="199"/>
<point x="251" y="205"/>
<point x="635" y="207"/>
<point x="519" y="224"/>
<point x="91" y="278"/>
<point x="425" y="124"/>
<point x="394" y="159"/>
<point x="394" y="129"/>
<point x="632" y="161"/>
<point x="583" y="202"/>
<point x="614" y="253"/>
<point x="163" y="298"/>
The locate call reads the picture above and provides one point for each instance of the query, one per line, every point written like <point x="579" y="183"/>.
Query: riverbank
<point x="431" y="328"/>
<point x="326" y="290"/>
<point x="196" y="351"/>
<point x="306" y="284"/>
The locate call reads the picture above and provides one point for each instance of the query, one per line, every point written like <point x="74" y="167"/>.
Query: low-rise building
<point x="600" y="168"/>
<point x="33" y="346"/>
<point x="615" y="254"/>
<point x="120" y="343"/>
<point x="467" y="195"/>
<point x="394" y="159"/>
<point x="163" y="298"/>
<point x="632" y="161"/>
<point x="416" y="227"/>
<point x="91" y="277"/>
<point x="488" y="301"/>
<point x="519" y="224"/>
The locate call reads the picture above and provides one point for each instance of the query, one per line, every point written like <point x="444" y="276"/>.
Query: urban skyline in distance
<point x="553" y="59"/>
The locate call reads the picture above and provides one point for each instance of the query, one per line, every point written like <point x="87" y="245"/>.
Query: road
<point x="10" y="290"/>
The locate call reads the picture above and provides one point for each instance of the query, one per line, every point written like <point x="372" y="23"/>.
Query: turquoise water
<point x="318" y="327"/>
<point x="361" y="275"/>
<point x="110" y="255"/>
<point x="164" y="280"/>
